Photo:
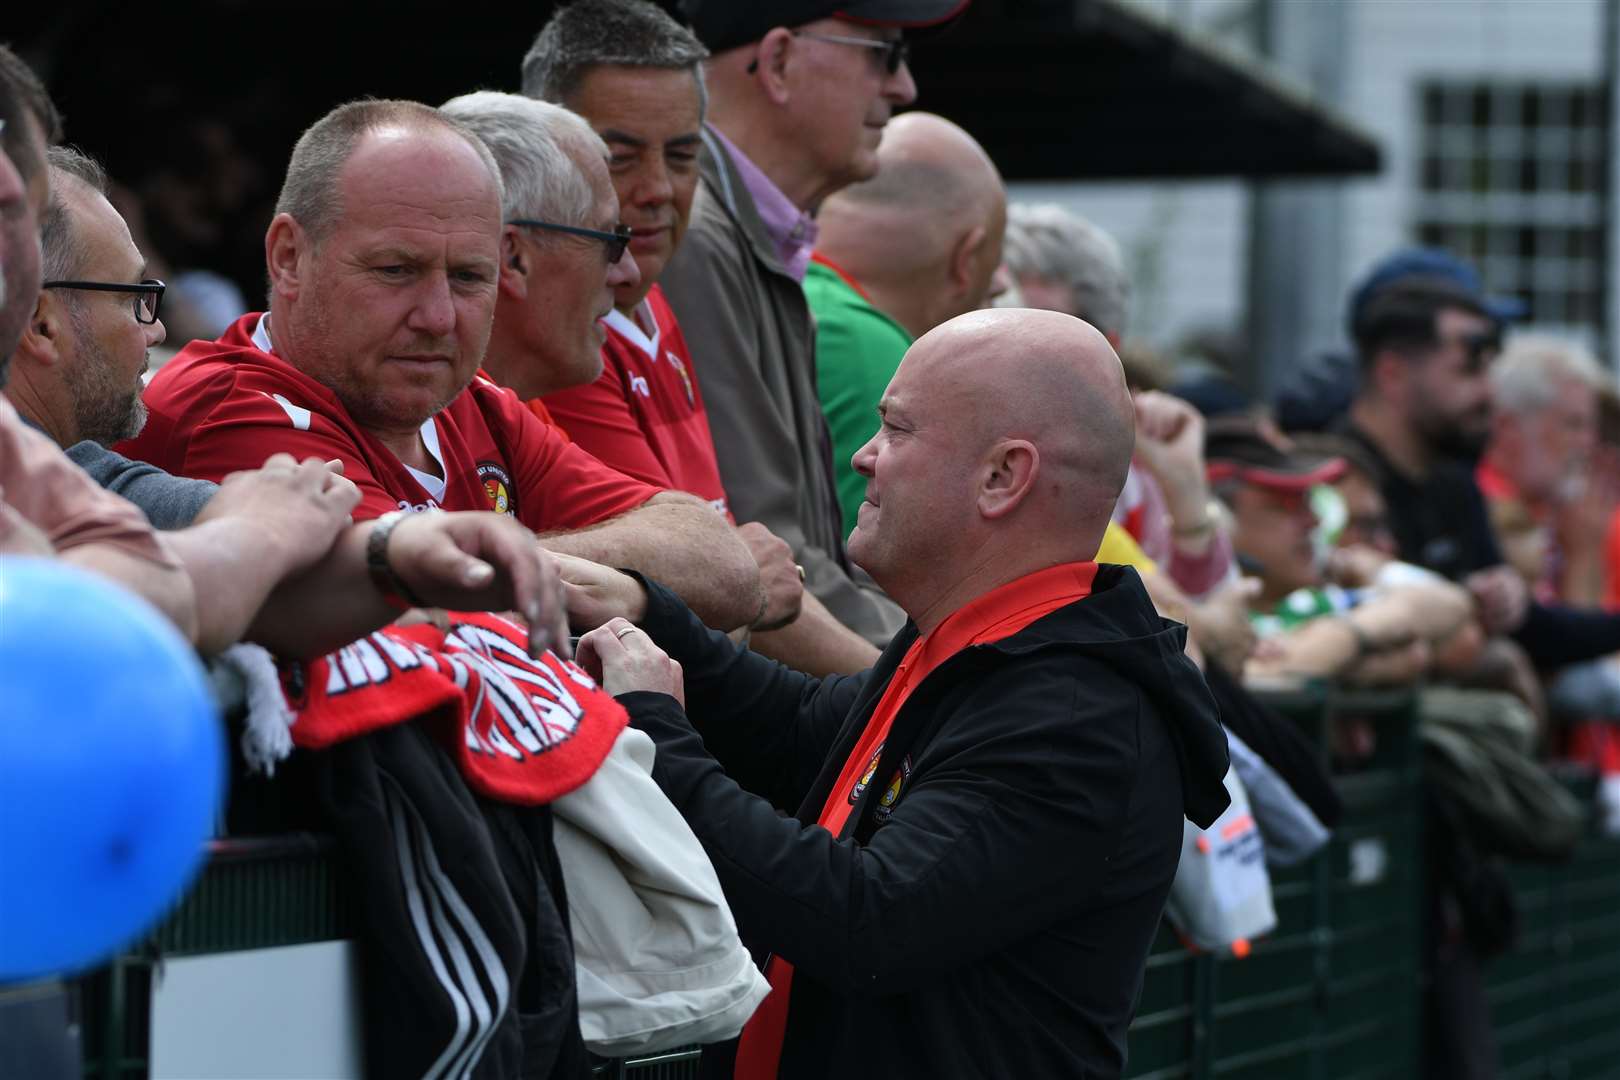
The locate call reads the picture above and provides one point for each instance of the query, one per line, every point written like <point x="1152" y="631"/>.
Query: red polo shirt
<point x="644" y="415"/>
<point x="224" y="406"/>
<point x="999" y="613"/>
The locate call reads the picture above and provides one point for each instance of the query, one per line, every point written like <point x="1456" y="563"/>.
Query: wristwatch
<point x="389" y="584"/>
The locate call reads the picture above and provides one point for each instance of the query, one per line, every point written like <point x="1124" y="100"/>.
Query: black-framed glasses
<point x="613" y="243"/>
<point x="148" y="294"/>
<point x="896" y="51"/>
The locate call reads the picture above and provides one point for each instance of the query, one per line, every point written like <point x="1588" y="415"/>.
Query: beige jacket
<point x="656" y="953"/>
<point x="752" y="341"/>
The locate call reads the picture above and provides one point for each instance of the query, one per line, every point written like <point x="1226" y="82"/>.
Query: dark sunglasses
<point x="1480" y="348"/>
<point x="148" y="294"/>
<point x="613" y="243"/>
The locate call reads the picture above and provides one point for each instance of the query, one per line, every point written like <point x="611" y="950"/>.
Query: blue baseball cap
<point x="1431" y="263"/>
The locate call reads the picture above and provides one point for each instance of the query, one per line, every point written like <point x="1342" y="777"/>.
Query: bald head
<point x="1048" y="378"/>
<point x="1006" y="437"/>
<point x="923" y="236"/>
<point x="926" y="163"/>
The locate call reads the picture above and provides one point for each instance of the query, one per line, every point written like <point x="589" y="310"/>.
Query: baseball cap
<point x="1236" y="448"/>
<point x="1431" y="263"/>
<point x="726" y="24"/>
<point x="1212" y="393"/>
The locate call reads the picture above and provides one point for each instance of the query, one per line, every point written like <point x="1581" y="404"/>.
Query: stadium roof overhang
<point x="1101" y="89"/>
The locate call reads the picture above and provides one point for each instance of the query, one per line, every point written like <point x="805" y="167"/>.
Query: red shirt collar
<point x="849" y="279"/>
<point x="1493" y="482"/>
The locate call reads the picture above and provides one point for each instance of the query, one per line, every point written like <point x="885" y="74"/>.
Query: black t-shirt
<point x="1441" y="522"/>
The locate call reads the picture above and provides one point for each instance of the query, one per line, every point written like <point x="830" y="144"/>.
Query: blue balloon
<point x="112" y="767"/>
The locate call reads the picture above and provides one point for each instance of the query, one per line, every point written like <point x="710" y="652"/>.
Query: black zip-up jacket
<point x="993" y="920"/>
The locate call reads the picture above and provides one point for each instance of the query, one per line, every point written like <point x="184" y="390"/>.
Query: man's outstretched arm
<point x="471" y="561"/>
<point x="678" y="540"/>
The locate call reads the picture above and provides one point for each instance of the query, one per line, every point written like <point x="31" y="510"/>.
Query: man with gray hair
<point x="1062" y="262"/>
<point x="563" y="251"/>
<point x="385" y="261"/>
<point x="1544" y="423"/>
<point x="1551" y="499"/>
<point x="635" y="75"/>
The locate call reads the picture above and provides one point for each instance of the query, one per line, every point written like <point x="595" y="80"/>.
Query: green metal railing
<point x="1333" y="991"/>
<point x="1332" y="994"/>
<point x="1555" y="998"/>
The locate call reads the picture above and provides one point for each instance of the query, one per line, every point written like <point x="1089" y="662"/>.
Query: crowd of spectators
<point x="698" y="349"/>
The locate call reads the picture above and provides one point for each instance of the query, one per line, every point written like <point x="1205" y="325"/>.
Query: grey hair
<point x="593" y="33"/>
<point x="1530" y="371"/>
<point x="538" y="148"/>
<point x="1059" y="246"/>
<point x="61" y="247"/>
<point x="310" y="191"/>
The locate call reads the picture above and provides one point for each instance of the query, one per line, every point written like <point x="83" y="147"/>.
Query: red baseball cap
<point x="1236" y="448"/>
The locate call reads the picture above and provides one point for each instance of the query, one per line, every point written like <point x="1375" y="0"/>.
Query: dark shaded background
<point x="194" y="106"/>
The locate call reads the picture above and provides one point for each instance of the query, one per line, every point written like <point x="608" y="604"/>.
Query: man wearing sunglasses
<point x="799" y="93"/>
<point x="1423" y="412"/>
<point x="563" y="251"/>
<point x="557" y="296"/>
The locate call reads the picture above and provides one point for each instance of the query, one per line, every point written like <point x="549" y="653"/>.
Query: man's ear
<point x="513" y="274"/>
<point x="1008" y="477"/>
<point x="285" y="244"/>
<point x="45" y="341"/>
<point x="771" y="64"/>
<point x="965" y="259"/>
<point x="1389" y="373"/>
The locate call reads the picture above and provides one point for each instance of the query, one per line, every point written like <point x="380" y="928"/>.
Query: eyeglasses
<point x="613" y="243"/>
<point x="148" y="294"/>
<point x="896" y="50"/>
